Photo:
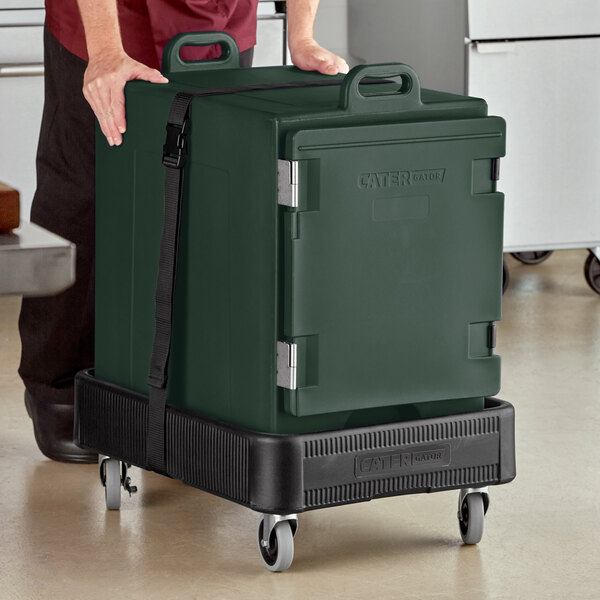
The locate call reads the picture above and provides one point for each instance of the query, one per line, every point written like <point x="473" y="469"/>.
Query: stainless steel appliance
<point x="21" y="93"/>
<point x="536" y="63"/>
<point x="271" y="34"/>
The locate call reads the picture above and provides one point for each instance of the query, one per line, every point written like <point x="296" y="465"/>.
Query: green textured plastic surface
<point x="387" y="275"/>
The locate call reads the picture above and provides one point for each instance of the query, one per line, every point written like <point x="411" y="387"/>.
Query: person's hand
<point x="104" y="84"/>
<point x="309" y="56"/>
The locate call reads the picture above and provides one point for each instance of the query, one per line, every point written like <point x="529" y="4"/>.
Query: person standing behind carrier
<point x="92" y="48"/>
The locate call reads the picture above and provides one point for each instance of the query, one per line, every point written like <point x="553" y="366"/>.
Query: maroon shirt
<point x="147" y="25"/>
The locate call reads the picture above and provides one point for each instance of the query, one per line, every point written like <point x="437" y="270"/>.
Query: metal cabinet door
<point x="392" y="264"/>
<point x="548" y="92"/>
<point x="513" y="19"/>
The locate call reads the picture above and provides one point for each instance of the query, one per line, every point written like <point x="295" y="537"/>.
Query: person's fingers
<point x="341" y="65"/>
<point x="109" y="128"/>
<point x="337" y="63"/>
<point x="103" y="126"/>
<point x="108" y="93"/>
<point x="102" y="116"/>
<point x="104" y="91"/>
<point x="311" y="62"/>
<point x="101" y="94"/>
<point x="113" y="130"/>
<point x="118" y="109"/>
<point x="99" y="114"/>
<point x="325" y="62"/>
<point x="105" y="130"/>
<point x="95" y="94"/>
<point x="327" y="67"/>
<point x="115" y="115"/>
<point x="151" y="75"/>
<point x="103" y="100"/>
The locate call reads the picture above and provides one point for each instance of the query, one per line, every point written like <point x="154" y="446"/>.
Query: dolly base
<point x="289" y="474"/>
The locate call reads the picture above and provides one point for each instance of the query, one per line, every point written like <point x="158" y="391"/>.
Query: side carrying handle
<point x="407" y="97"/>
<point x="172" y="62"/>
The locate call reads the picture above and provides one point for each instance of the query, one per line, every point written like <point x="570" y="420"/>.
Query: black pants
<point x="57" y="332"/>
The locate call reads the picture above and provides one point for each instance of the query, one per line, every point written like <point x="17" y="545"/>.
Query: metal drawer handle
<point x="22" y="70"/>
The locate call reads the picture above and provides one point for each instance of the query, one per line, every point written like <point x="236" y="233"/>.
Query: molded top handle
<point x="172" y="63"/>
<point x="406" y="98"/>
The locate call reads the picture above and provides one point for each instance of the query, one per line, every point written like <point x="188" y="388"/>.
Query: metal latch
<point x="286" y="365"/>
<point x="287" y="182"/>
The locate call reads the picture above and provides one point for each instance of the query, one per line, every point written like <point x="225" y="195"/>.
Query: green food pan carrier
<point x="297" y="285"/>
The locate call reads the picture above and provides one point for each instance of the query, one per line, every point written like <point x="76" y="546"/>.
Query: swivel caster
<point x="591" y="270"/>
<point x="532" y="258"/>
<point x="113" y="475"/>
<point x="472" y="506"/>
<point x="276" y="540"/>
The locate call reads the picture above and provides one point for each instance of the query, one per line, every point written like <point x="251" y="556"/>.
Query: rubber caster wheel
<point x="471" y="516"/>
<point x="505" y="276"/>
<point x="112" y="483"/>
<point x="532" y="258"/>
<point x="279" y="553"/>
<point x="591" y="270"/>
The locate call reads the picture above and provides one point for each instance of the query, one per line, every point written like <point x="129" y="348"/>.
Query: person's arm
<point x="306" y="53"/>
<point x="109" y="67"/>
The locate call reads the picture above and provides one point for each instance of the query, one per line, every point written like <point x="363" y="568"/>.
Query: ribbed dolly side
<point x="404" y="434"/>
<point x="367" y="490"/>
<point x="207" y="456"/>
<point x="203" y="454"/>
<point x="112" y="422"/>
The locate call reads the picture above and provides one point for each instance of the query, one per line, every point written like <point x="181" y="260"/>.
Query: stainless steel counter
<point x="35" y="262"/>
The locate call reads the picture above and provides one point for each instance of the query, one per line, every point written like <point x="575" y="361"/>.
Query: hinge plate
<point x="286" y="365"/>
<point x="287" y="182"/>
<point x="492" y="336"/>
<point x="495" y="169"/>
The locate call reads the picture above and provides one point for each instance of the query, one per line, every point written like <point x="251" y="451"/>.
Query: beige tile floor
<point x="542" y="537"/>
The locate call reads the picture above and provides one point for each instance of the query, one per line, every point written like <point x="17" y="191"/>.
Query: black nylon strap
<point x="165" y="286"/>
<point x="174" y="156"/>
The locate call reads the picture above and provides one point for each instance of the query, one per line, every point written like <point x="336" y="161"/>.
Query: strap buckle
<point x="175" y="147"/>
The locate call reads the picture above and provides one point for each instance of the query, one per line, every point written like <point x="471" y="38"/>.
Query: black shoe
<point x="53" y="430"/>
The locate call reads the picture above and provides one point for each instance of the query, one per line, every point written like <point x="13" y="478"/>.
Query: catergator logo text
<point x="377" y="464"/>
<point x="392" y="179"/>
